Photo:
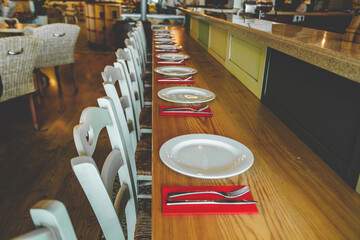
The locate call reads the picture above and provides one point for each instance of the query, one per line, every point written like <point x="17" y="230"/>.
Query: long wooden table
<point x="299" y="196"/>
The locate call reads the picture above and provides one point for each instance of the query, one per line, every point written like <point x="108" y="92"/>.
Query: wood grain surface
<point x="35" y="165"/>
<point x="299" y="196"/>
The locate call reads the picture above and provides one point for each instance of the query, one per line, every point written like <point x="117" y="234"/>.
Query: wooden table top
<point x="299" y="196"/>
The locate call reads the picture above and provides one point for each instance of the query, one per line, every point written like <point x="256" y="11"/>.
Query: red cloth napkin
<point x="206" y="209"/>
<point x="205" y="113"/>
<point x="164" y="62"/>
<point x="167" y="50"/>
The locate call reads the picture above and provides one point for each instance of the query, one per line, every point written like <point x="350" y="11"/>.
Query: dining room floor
<point x="35" y="165"/>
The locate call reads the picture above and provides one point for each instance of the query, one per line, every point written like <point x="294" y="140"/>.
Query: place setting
<point x="167" y="48"/>
<point x="207" y="156"/>
<point x="163" y="35"/>
<point x="171" y="58"/>
<point x="175" y="74"/>
<point x="164" y="41"/>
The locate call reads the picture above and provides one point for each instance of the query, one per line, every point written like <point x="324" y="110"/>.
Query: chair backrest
<point x="133" y="67"/>
<point x="130" y="44"/>
<point x="142" y="33"/>
<point x="137" y="51"/>
<point x="92" y="121"/>
<point x="117" y="77"/>
<point x="59" y="42"/>
<point x="52" y="221"/>
<point x="17" y="61"/>
<point x="98" y="189"/>
<point x="139" y="46"/>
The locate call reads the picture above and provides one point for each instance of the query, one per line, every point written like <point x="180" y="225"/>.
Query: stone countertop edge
<point x="333" y="60"/>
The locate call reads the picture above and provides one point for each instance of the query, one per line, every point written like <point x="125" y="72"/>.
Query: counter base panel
<point x="322" y="108"/>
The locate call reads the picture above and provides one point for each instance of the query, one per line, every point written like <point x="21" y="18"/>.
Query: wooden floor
<point x="35" y="165"/>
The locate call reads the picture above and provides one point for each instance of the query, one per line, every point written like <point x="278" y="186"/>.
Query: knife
<point x="220" y="202"/>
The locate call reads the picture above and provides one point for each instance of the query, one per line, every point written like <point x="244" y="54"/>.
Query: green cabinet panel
<point x="218" y="43"/>
<point x="194" y="28"/>
<point x="203" y="35"/>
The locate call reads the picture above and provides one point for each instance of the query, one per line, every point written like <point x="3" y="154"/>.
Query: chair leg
<point x="33" y="112"/>
<point x="57" y="74"/>
<point x="74" y="79"/>
<point x="38" y="82"/>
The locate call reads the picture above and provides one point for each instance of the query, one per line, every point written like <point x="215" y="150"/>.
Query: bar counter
<point x="309" y="78"/>
<point x="299" y="196"/>
<point x="320" y="48"/>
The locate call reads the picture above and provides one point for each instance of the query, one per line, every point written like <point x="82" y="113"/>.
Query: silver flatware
<point x="175" y="79"/>
<point x="228" y="194"/>
<point x="219" y="202"/>
<point x="171" y="61"/>
<point x="187" y="112"/>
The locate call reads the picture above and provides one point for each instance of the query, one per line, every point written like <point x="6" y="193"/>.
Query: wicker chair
<point x="58" y="48"/>
<point x="17" y="61"/>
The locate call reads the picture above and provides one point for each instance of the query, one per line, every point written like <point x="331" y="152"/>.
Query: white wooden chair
<point x="126" y="83"/>
<point x="140" y="160"/>
<point x="140" y="28"/>
<point x="17" y="61"/>
<point x="134" y="35"/>
<point x="134" y="66"/>
<point x="58" y="48"/>
<point x="99" y="187"/>
<point x="51" y="220"/>
<point x="92" y="121"/>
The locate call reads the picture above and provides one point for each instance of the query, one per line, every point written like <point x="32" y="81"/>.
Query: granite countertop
<point x="317" y="14"/>
<point x="321" y="48"/>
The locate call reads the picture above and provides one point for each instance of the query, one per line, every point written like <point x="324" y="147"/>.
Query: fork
<point x="186" y="108"/>
<point x="228" y="194"/>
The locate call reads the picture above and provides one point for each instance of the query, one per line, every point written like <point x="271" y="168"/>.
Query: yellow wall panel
<point x="203" y="35"/>
<point x="246" y="55"/>
<point x="247" y="62"/>
<point x="218" y="43"/>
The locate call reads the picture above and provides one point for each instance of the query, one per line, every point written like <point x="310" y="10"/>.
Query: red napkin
<point x="187" y="113"/>
<point x="206" y="209"/>
<point x="167" y="50"/>
<point x="164" y="62"/>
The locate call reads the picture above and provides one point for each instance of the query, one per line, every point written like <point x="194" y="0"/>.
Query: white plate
<point x="175" y="70"/>
<point x="165" y="40"/>
<point x="206" y="156"/>
<point x="167" y="47"/>
<point x="162" y="35"/>
<point x="172" y="56"/>
<point x="186" y="95"/>
<point x="156" y="31"/>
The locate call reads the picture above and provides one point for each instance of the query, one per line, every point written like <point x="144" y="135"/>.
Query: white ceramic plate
<point x="157" y="31"/>
<point x="186" y="95"/>
<point x="172" y="56"/>
<point x="175" y="71"/>
<point x="167" y="47"/>
<point x="162" y="35"/>
<point x="165" y="40"/>
<point x="206" y="156"/>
